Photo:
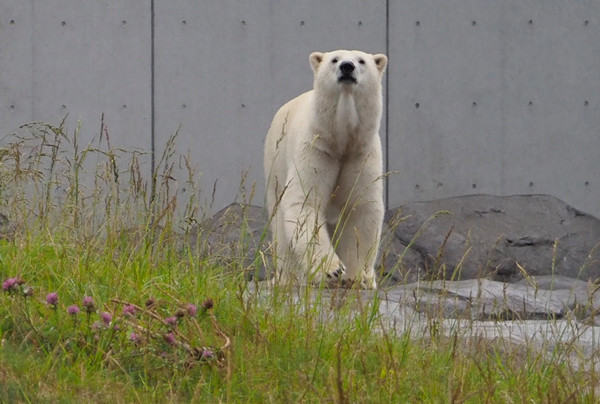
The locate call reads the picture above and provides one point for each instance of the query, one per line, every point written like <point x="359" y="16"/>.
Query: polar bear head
<point x="347" y="70"/>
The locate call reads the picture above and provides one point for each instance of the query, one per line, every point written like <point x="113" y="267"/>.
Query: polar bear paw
<point x="332" y="279"/>
<point x="336" y="275"/>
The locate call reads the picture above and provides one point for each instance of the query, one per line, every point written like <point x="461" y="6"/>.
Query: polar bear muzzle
<point x="347" y="73"/>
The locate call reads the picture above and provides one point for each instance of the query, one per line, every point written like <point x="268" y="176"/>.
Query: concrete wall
<point x="481" y="96"/>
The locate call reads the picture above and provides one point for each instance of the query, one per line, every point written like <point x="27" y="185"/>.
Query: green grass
<point x="263" y="344"/>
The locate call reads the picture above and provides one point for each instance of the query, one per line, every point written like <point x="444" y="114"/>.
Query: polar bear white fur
<point x="323" y="170"/>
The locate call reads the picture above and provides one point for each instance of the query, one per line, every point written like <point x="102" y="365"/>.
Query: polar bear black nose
<point x="347" y="67"/>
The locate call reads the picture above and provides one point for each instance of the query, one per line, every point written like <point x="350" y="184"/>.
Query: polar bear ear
<point x="380" y="61"/>
<point x="315" y="60"/>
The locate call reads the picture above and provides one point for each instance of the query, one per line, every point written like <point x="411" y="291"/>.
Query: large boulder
<point x="501" y="238"/>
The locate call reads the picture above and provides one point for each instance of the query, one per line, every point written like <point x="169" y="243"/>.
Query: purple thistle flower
<point x="52" y="298"/>
<point x="88" y="304"/>
<point x="129" y="310"/>
<point x="73" y="309"/>
<point x="170" y="338"/>
<point x="172" y="321"/>
<point x="9" y="284"/>
<point x="106" y="317"/>
<point x="192" y="310"/>
<point x="134" y="338"/>
<point x="207" y="354"/>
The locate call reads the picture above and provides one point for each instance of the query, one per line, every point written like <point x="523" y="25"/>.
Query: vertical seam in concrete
<point x="33" y="38"/>
<point x="152" y="94"/>
<point x="386" y="106"/>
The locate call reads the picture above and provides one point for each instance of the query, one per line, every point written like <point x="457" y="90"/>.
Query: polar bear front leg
<point x="358" y="243"/>
<point x="304" y="204"/>
<point x="361" y="218"/>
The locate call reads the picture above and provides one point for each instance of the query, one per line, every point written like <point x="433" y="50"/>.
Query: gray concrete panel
<point x="445" y="115"/>
<point x="494" y="97"/>
<point x="224" y="68"/>
<point x="552" y="107"/>
<point x="59" y="59"/>
<point x="16" y="62"/>
<point x="90" y="59"/>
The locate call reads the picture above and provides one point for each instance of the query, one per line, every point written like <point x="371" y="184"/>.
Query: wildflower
<point x="192" y="310"/>
<point x="172" y="321"/>
<point x="170" y="338"/>
<point x="106" y="317"/>
<point x="73" y="309"/>
<point x="208" y="304"/>
<point x="88" y="304"/>
<point x="52" y="299"/>
<point x="9" y="284"/>
<point x="129" y="310"/>
<point x="135" y="338"/>
<point x="207" y="354"/>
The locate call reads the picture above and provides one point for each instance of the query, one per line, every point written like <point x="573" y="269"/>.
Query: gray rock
<point x="537" y="298"/>
<point x="503" y="238"/>
<point x="235" y="237"/>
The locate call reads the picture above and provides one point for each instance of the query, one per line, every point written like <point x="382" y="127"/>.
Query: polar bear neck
<point x="344" y="116"/>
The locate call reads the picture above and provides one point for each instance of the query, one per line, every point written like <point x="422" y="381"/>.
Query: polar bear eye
<point x="334" y="60"/>
<point x="361" y="61"/>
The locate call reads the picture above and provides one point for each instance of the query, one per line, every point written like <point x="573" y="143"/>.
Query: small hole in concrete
<point x="63" y="23"/>
<point x="302" y="22"/>
<point x="417" y="105"/>
<point x="530" y="184"/>
<point x="474" y="186"/>
<point x="418" y="23"/>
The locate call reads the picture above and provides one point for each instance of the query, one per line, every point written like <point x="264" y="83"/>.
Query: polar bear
<point x="323" y="171"/>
